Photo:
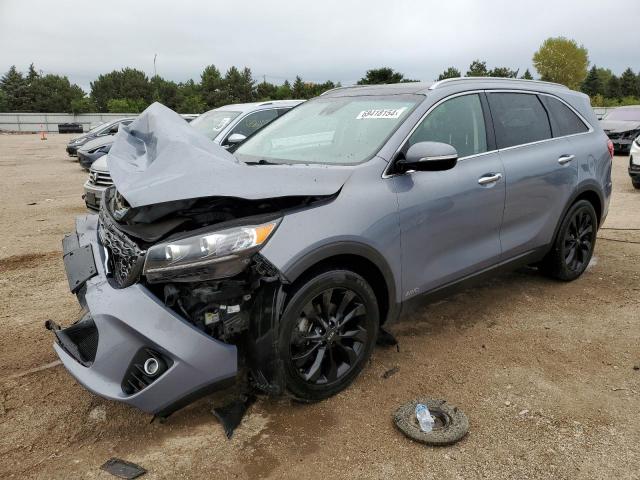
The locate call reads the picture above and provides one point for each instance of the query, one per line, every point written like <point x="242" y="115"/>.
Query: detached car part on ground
<point x="280" y="262"/>
<point x="226" y="126"/>
<point x="622" y="126"/>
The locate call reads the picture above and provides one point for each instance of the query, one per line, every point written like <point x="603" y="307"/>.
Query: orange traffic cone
<point x="43" y="134"/>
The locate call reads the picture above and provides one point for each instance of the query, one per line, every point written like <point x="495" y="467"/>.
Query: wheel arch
<point x="361" y="259"/>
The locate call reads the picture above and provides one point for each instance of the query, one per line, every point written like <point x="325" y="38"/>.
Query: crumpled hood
<point x="160" y="158"/>
<point x="617" y="126"/>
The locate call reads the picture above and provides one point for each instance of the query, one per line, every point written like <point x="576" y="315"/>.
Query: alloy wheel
<point x="578" y="240"/>
<point x="329" y="337"/>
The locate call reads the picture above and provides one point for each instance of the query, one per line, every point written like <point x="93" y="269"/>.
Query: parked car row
<point x="622" y="126"/>
<point x="226" y="126"/>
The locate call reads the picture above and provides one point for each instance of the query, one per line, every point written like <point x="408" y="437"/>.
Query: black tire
<point x="451" y="424"/>
<point x="327" y="333"/>
<point x="636" y="184"/>
<point x="574" y="243"/>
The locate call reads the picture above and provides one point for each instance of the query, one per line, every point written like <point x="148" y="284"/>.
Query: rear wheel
<point x="327" y="333"/>
<point x="574" y="244"/>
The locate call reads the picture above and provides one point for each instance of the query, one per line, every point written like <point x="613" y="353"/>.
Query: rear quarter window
<point x="563" y="120"/>
<point x="518" y="118"/>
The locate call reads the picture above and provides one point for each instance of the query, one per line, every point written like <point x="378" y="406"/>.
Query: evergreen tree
<point x="612" y="89"/>
<point x="14" y="86"/>
<point x="298" y="88"/>
<point x="527" y="75"/>
<point x="212" y="87"/>
<point x="477" y="69"/>
<point x="503" y="72"/>
<point x="382" y="75"/>
<point x="628" y="83"/>
<point x="451" y="72"/>
<point x="592" y="85"/>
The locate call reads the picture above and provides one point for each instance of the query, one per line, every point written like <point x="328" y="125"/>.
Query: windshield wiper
<point x="262" y="162"/>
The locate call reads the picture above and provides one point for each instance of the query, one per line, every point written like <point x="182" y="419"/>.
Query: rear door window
<point x="563" y="120"/>
<point x="518" y="118"/>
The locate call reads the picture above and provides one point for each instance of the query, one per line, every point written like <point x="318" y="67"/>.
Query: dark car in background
<point x="622" y="126"/>
<point x="102" y="130"/>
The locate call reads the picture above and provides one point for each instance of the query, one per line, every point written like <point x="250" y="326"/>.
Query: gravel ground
<point x="544" y="370"/>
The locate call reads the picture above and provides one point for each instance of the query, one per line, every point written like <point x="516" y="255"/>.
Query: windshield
<point x="338" y="130"/>
<point x="212" y="123"/>
<point x="624" y="114"/>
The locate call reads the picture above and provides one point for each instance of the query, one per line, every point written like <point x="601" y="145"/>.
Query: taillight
<point x="610" y="147"/>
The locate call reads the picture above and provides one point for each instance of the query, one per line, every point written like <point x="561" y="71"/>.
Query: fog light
<point x="151" y="366"/>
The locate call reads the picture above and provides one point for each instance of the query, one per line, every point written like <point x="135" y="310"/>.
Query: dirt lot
<point x="544" y="370"/>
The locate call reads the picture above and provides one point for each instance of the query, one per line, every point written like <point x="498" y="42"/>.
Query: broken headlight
<point x="206" y="251"/>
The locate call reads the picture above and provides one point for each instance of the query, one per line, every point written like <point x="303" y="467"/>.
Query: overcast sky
<point x="320" y="40"/>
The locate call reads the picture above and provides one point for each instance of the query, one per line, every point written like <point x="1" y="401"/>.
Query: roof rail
<point x="343" y="87"/>
<point x="466" y="79"/>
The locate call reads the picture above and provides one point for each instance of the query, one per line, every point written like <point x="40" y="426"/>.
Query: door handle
<point x="565" y="159"/>
<point x="489" y="178"/>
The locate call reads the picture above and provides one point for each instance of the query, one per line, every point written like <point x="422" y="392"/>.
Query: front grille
<point x="126" y="259"/>
<point x="100" y="179"/>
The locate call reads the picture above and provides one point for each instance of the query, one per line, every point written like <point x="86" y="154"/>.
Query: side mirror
<point x="428" y="157"/>
<point x="236" y="138"/>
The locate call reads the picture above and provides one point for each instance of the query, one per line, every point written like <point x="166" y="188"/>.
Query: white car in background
<point x="634" y="163"/>
<point x="226" y="126"/>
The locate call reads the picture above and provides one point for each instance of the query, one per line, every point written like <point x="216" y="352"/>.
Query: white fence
<point x="35" y="122"/>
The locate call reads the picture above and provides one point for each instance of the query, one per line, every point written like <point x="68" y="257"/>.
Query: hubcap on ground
<point x="329" y="337"/>
<point x="578" y="240"/>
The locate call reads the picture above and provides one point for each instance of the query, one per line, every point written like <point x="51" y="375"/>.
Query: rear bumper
<point x="132" y="320"/>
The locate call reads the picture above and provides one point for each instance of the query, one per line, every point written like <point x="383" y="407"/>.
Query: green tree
<point x="165" y="92"/>
<point x="4" y="104"/>
<point x="563" y="61"/>
<point x="212" y="88"/>
<point x="298" y="90"/>
<point x="14" y="86"/>
<point x="283" y="92"/>
<point x="238" y="86"/>
<point x="127" y="83"/>
<point x="527" y="75"/>
<point x="592" y="85"/>
<point x="612" y="90"/>
<point x="477" y="69"/>
<point x="266" y="91"/>
<point x="382" y="75"/>
<point x="604" y="74"/>
<point x="82" y="105"/>
<point x="53" y="93"/>
<point x="503" y="72"/>
<point x="628" y="83"/>
<point x="451" y="72"/>
<point x="126" y="105"/>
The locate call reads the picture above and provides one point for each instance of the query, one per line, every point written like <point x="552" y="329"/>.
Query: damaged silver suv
<point x="281" y="260"/>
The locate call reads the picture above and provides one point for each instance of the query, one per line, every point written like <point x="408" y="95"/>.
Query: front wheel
<point x="636" y="184"/>
<point x="574" y="244"/>
<point x="327" y="333"/>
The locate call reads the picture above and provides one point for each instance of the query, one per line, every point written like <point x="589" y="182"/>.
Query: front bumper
<point x="72" y="150"/>
<point x="93" y="195"/>
<point x="621" y="145"/>
<point x="132" y="320"/>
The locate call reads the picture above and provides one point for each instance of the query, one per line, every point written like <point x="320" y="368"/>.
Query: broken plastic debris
<point x="424" y="418"/>
<point x="123" y="469"/>
<point x="231" y="415"/>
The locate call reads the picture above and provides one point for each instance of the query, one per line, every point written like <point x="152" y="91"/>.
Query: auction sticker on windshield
<point x="381" y="113"/>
